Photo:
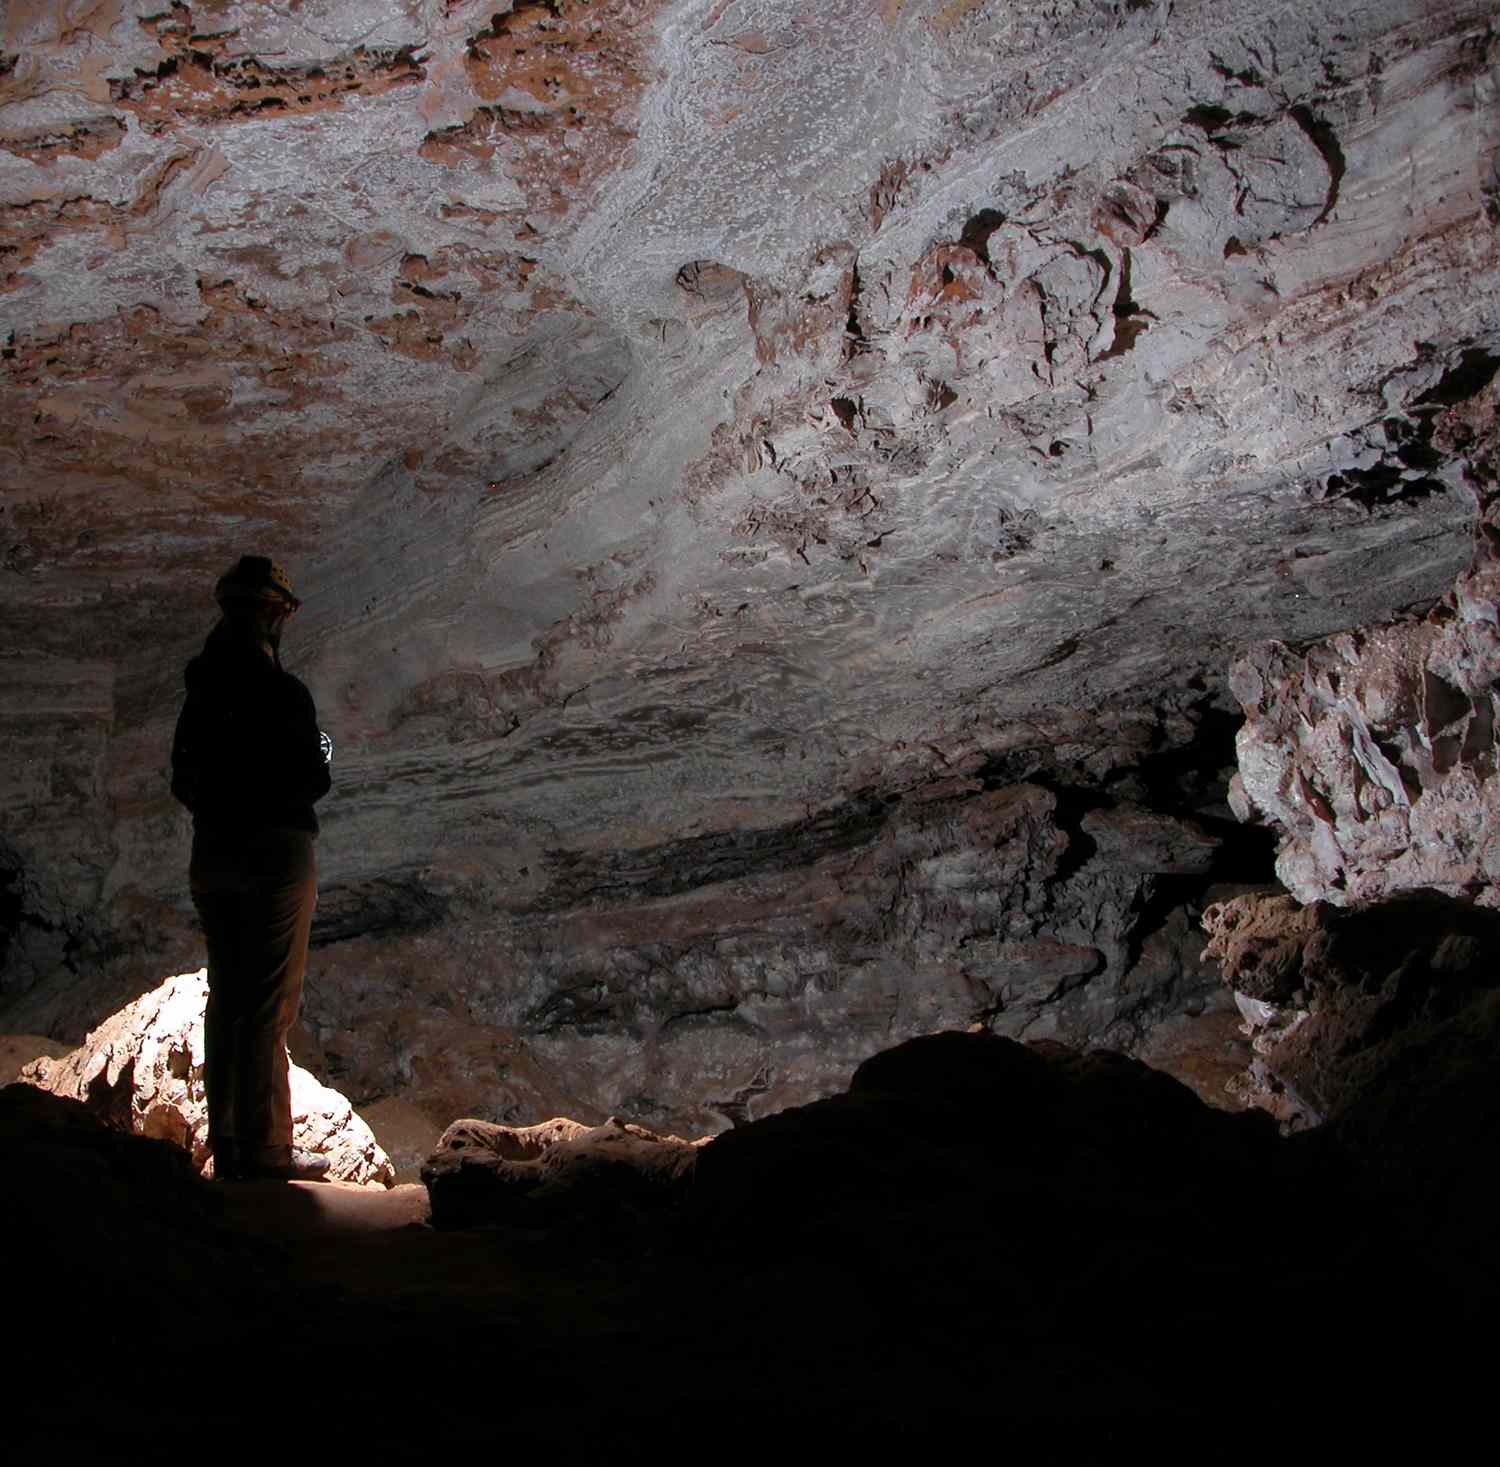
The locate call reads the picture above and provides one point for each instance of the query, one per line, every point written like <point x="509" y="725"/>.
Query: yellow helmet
<point x="256" y="578"/>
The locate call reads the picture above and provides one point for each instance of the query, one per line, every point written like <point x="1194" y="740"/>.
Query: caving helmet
<point x="256" y="578"/>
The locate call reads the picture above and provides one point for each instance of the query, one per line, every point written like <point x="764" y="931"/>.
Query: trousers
<point x="255" y="894"/>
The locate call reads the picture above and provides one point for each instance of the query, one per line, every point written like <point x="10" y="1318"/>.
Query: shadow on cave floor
<point x="977" y="1230"/>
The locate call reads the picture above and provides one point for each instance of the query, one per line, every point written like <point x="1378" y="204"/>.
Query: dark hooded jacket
<point x="247" y="753"/>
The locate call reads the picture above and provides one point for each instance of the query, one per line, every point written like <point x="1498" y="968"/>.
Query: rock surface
<point x="531" y="1175"/>
<point x="1346" y="1005"/>
<point x="1372" y="755"/>
<point x="693" y="426"/>
<point x="787" y="962"/>
<point x="977" y="1225"/>
<point x="1373" y="752"/>
<point x="18" y="1050"/>
<point x="142" y="1071"/>
<point x="406" y="1134"/>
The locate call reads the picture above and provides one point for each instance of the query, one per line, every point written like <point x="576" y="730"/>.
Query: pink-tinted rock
<point x="1373" y="752"/>
<point x="1340" y="1002"/>
<point x="1258" y="941"/>
<point x="688" y="426"/>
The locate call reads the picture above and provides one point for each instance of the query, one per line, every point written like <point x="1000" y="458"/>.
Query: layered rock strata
<point x="692" y="428"/>
<point x="708" y="983"/>
<point x="656" y="454"/>
<point x="1050" y="884"/>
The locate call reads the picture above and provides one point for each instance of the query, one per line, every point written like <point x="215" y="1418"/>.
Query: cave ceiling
<point x="678" y="415"/>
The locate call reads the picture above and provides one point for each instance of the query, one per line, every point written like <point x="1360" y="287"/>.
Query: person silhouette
<point x="249" y="762"/>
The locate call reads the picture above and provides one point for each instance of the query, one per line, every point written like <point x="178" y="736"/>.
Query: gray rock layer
<point x="784" y="964"/>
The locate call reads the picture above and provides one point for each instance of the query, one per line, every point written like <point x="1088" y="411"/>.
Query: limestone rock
<point x="700" y="433"/>
<point x="715" y="980"/>
<point x="1149" y="840"/>
<point x="405" y="1132"/>
<point x="142" y="1071"/>
<point x="530" y="1175"/>
<point x="1340" y="1002"/>
<point x="675" y="422"/>
<point x="1207" y="1052"/>
<point x="1373" y="752"/>
<point x="1257" y="942"/>
<point x="18" y="1050"/>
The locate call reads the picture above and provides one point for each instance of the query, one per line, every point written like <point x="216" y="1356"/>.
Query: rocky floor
<point x="978" y="1234"/>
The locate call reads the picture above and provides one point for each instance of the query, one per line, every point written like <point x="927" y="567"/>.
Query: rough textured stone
<point x="974" y="1220"/>
<point x="142" y="1071"/>
<point x="1208" y="1052"/>
<point x="1342" y="1004"/>
<point x="17" y="1050"/>
<point x="690" y="423"/>
<point x="406" y="1134"/>
<point x="1257" y="942"/>
<point x="789" y="962"/>
<point x="1373" y="752"/>
<point x="532" y="1175"/>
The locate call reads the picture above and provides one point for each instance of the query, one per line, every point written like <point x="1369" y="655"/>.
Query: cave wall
<point x="719" y="979"/>
<point x="1372" y="753"/>
<point x="728" y="451"/>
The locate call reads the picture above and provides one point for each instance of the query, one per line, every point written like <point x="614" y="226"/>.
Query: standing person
<point x="249" y="761"/>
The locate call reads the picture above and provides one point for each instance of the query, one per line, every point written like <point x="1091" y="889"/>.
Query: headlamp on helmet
<point x="256" y="578"/>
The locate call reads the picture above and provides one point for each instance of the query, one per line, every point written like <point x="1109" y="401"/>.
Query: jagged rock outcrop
<point x="530" y="1176"/>
<point x="1344" y="1005"/>
<point x="1372" y="755"/>
<point x="142" y="1071"/>
<point x="1374" y="751"/>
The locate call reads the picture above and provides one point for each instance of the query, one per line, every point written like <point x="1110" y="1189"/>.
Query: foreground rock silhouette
<point x="976" y="1230"/>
